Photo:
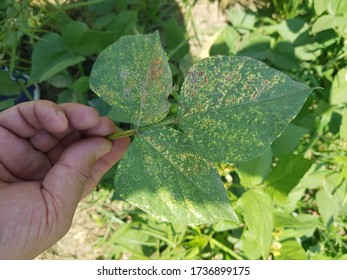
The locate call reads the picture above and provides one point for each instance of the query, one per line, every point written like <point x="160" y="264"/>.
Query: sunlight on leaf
<point x="161" y="175"/>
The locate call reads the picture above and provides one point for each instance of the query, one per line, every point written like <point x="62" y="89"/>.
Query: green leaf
<point x="334" y="7"/>
<point x="8" y="87"/>
<point x="310" y="51"/>
<point x="254" y="171"/>
<point x="285" y="176"/>
<point x="283" y="56"/>
<point x="233" y="108"/>
<point x="343" y="127"/>
<point x="251" y="247"/>
<point x="83" y="41"/>
<point x="81" y="85"/>
<point x="61" y="80"/>
<point x="224" y="226"/>
<point x="260" y="47"/>
<point x="118" y="116"/>
<point x="291" y="250"/>
<point x="319" y="6"/>
<point x="333" y="180"/>
<point x="102" y="21"/>
<point x="123" y="24"/>
<point x="327" y="206"/>
<point x="175" y="38"/>
<point x="50" y="56"/>
<point x="313" y="179"/>
<point x="227" y="42"/>
<point x="131" y="239"/>
<point x="337" y="7"/>
<point x="256" y="46"/>
<point x="338" y="92"/>
<point x="242" y="19"/>
<point x="289" y="140"/>
<point x="7" y="103"/>
<point x="328" y="21"/>
<point x="133" y="75"/>
<point x="257" y="212"/>
<point x="302" y="225"/>
<point x="291" y="29"/>
<point x="161" y="175"/>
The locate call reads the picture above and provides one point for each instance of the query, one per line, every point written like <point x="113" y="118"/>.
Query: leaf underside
<point x="233" y="108"/>
<point x="170" y="181"/>
<point x="133" y="75"/>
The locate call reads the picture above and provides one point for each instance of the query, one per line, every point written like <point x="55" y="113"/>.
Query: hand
<point x="51" y="156"/>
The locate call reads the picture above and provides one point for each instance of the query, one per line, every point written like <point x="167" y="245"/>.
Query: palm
<point x="48" y="162"/>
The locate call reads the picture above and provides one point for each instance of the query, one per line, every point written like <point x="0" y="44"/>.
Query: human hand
<point x="51" y="156"/>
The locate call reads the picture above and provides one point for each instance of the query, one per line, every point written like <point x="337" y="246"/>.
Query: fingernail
<point x="103" y="149"/>
<point x="61" y="115"/>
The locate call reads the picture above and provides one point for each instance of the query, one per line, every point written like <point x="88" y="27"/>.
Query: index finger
<point x="27" y="118"/>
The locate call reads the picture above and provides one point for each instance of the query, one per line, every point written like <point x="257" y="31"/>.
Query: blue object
<point x="33" y="90"/>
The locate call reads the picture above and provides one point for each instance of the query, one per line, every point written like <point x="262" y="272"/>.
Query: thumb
<point x="65" y="182"/>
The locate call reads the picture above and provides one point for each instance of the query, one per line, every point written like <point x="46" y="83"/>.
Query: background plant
<point x="305" y="207"/>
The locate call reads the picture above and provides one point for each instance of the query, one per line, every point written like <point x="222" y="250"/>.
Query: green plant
<point x="290" y="200"/>
<point x="230" y="110"/>
<point x="55" y="43"/>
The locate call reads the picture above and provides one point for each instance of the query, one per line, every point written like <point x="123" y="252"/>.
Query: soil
<point x="80" y="242"/>
<point x="203" y="27"/>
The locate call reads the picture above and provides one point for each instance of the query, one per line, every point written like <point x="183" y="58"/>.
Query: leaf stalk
<point x="131" y="132"/>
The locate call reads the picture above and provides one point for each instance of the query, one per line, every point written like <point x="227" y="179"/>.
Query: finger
<point x="47" y="143"/>
<point x="6" y="176"/>
<point x="80" y="117"/>
<point x="104" y="127"/>
<point x="43" y="141"/>
<point x="119" y="147"/>
<point x="20" y="159"/>
<point x="27" y="118"/>
<point x="65" y="182"/>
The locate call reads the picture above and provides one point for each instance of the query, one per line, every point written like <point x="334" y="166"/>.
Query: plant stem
<point x="179" y="47"/>
<point x="80" y="5"/>
<point x="226" y="249"/>
<point x="121" y="134"/>
<point x="132" y="132"/>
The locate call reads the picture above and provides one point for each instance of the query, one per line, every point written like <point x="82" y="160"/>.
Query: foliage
<point x="301" y="180"/>
<point x="230" y="110"/>
<point x="57" y="43"/>
<point x="303" y="173"/>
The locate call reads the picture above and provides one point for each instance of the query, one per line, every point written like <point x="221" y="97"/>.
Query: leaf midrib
<point x="142" y="95"/>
